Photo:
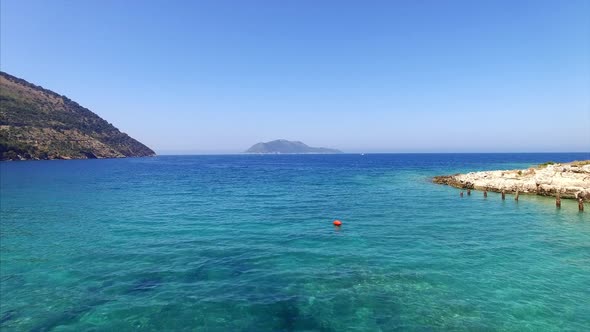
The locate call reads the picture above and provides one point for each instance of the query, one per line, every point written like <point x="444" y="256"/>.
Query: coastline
<point x="568" y="180"/>
<point x="69" y="158"/>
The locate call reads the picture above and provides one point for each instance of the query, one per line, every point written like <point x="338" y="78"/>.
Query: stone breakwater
<point x="570" y="180"/>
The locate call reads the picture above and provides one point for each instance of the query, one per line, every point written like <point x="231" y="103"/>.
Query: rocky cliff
<point x="569" y="180"/>
<point x="36" y="123"/>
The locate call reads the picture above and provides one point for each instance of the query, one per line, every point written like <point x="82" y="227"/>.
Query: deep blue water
<point x="246" y="243"/>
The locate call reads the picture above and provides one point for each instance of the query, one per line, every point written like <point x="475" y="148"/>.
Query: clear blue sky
<point x="372" y="76"/>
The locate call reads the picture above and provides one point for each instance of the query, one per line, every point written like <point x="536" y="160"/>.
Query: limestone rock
<point x="571" y="180"/>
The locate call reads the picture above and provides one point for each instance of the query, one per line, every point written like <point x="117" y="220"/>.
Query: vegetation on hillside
<point x="36" y="123"/>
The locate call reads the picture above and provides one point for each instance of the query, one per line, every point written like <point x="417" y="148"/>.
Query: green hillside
<point x="36" y="123"/>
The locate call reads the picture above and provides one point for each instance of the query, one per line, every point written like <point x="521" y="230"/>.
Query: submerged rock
<point x="570" y="180"/>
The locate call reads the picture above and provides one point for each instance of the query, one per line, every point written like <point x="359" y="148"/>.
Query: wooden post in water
<point x="516" y="195"/>
<point x="468" y="192"/>
<point x="503" y="195"/>
<point x="558" y="201"/>
<point x="580" y="204"/>
<point x="485" y="194"/>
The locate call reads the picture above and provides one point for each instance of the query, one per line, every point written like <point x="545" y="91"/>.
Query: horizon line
<point x="366" y="153"/>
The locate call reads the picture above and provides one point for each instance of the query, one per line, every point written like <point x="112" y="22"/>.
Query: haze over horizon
<point x="404" y="76"/>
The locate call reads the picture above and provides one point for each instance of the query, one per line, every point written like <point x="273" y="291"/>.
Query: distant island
<point x="285" y="146"/>
<point x="568" y="180"/>
<point x="36" y="123"/>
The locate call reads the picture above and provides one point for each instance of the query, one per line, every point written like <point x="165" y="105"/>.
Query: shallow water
<point x="246" y="243"/>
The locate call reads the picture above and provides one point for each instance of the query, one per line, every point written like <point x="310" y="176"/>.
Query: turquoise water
<point x="246" y="243"/>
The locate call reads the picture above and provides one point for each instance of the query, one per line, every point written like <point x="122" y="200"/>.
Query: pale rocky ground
<point x="570" y="180"/>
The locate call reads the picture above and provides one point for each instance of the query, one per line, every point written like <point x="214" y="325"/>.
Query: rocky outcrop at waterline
<point x="568" y="180"/>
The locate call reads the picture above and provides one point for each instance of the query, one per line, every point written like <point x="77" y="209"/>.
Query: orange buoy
<point x="337" y="223"/>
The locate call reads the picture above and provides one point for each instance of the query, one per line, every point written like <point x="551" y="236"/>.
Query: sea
<point x="247" y="243"/>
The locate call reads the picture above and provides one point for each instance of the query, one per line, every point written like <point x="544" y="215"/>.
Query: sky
<point x="188" y="77"/>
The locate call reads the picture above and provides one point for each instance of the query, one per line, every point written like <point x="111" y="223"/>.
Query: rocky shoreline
<point x="569" y="180"/>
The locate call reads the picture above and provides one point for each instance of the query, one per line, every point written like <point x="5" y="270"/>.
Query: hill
<point x="284" y="146"/>
<point x="36" y="123"/>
